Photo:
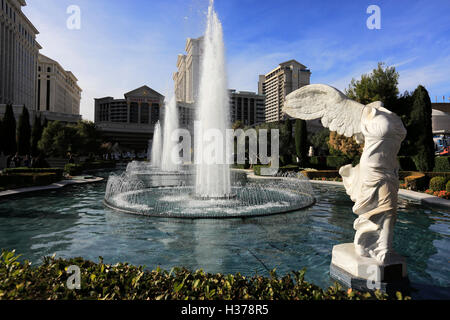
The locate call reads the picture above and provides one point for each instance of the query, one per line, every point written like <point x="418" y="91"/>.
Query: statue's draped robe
<point x="373" y="184"/>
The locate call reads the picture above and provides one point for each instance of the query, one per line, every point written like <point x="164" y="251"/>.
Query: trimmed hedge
<point x="442" y="164"/>
<point x="74" y="169"/>
<point x="241" y="166"/>
<point x="328" y="174"/>
<point x="57" y="171"/>
<point x="123" y="281"/>
<point x="447" y="186"/>
<point x="438" y="183"/>
<point x="337" y="161"/>
<point x="417" y="181"/>
<point x="288" y="168"/>
<point x="329" y="162"/>
<point x="21" y="180"/>
<point x="318" y="162"/>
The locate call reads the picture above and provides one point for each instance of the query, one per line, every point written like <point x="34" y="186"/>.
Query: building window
<point x="47" y="105"/>
<point x="39" y="95"/>
<point x="49" y="69"/>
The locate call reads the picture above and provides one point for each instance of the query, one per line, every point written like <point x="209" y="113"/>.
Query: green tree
<point x="319" y="141"/>
<point x="36" y="134"/>
<point x="287" y="148"/>
<point x="9" y="131"/>
<point x="59" y="139"/>
<point x="24" y="133"/>
<point x="420" y="131"/>
<point x="301" y="142"/>
<point x="380" y="85"/>
<point x="90" y="137"/>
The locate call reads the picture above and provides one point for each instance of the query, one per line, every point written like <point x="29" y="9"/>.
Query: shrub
<point x="318" y="162"/>
<point x="127" y="282"/>
<point x="447" y="186"/>
<point x="337" y="161"/>
<point x="73" y="169"/>
<point x="327" y="174"/>
<point x="57" y="171"/>
<point x="241" y="166"/>
<point x="437" y="183"/>
<point x="442" y="164"/>
<point x="22" y="180"/>
<point x="290" y="167"/>
<point x="257" y="169"/>
<point x="417" y="181"/>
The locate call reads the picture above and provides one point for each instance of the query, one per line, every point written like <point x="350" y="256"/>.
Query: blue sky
<point x="124" y="44"/>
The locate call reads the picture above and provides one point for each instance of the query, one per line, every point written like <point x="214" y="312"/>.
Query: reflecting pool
<point x="74" y="222"/>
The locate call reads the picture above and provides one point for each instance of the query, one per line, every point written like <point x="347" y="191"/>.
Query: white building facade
<point x="275" y="85"/>
<point x="18" y="56"/>
<point x="57" y="89"/>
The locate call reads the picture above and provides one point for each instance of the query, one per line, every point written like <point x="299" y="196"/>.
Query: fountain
<point x="169" y="159"/>
<point x="211" y="190"/>
<point x="213" y="172"/>
<point x="156" y="147"/>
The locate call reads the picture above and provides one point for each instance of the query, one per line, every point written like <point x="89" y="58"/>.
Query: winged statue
<point x="373" y="183"/>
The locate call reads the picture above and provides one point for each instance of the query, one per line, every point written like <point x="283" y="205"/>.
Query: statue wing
<point x="319" y="101"/>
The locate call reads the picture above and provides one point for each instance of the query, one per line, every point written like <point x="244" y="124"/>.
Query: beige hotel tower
<point x="275" y="85"/>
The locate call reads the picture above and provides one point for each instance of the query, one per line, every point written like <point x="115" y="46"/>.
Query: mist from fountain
<point x="168" y="160"/>
<point x="212" y="170"/>
<point x="156" y="147"/>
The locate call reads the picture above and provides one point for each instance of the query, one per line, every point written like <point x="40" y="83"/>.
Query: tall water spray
<point x="156" y="146"/>
<point x="212" y="172"/>
<point x="169" y="157"/>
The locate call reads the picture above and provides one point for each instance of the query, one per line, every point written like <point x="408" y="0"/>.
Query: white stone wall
<point x="18" y="56"/>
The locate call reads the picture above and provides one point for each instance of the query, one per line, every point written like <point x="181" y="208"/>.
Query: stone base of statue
<point x="367" y="274"/>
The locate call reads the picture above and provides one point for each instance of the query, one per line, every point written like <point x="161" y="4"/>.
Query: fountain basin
<point x="251" y="200"/>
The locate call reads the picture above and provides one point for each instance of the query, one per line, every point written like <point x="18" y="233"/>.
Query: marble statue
<point x="373" y="183"/>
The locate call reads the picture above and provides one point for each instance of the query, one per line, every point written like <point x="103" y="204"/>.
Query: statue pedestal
<point x="364" y="273"/>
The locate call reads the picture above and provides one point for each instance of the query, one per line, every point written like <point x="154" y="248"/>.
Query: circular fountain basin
<point x="174" y="196"/>
<point x="177" y="202"/>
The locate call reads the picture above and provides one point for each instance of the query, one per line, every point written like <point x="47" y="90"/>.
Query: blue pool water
<point x="73" y="222"/>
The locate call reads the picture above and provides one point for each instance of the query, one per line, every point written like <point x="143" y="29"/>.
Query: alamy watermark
<point x="215" y="147"/>
<point x="374" y="20"/>
<point x="74" y="280"/>
<point x="73" y="22"/>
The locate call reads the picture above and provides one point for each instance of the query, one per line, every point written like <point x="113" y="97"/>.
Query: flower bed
<point x="124" y="281"/>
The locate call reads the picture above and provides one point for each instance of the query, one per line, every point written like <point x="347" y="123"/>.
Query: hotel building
<point x="247" y="107"/>
<point x="18" y="56"/>
<point x="58" y="94"/>
<point x="129" y="121"/>
<point x="278" y="83"/>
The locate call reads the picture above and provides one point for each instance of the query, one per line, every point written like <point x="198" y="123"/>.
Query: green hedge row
<point x="57" y="171"/>
<point x="328" y="162"/>
<point x="21" y="180"/>
<point x="123" y="281"/>
<point x="442" y="164"/>
<point x="74" y="169"/>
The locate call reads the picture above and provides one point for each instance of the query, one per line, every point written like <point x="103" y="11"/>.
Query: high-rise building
<point x="275" y="85"/>
<point x="58" y="93"/>
<point x="187" y="77"/>
<point x="247" y="107"/>
<point x="130" y="121"/>
<point x="18" y="56"/>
